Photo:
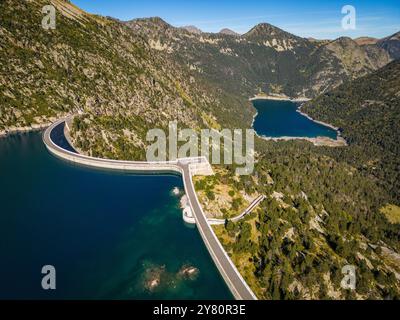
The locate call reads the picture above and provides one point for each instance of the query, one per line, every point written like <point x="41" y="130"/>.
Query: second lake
<point x="280" y="119"/>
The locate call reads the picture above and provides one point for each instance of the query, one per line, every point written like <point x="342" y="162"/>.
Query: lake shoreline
<point x="317" y="121"/>
<point x="18" y="130"/>
<point x="317" y="141"/>
<point x="279" y="98"/>
<point x="254" y="118"/>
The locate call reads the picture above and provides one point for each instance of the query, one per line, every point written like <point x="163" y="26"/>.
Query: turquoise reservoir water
<point x="109" y="235"/>
<point x="280" y="119"/>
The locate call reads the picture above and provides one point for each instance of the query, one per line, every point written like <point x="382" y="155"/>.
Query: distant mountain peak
<point x="192" y="29"/>
<point x="265" y="31"/>
<point x="229" y="32"/>
<point x="263" y="28"/>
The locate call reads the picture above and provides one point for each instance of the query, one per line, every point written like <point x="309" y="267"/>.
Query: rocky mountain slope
<point x="266" y="58"/>
<point x="95" y="65"/>
<point x="391" y="44"/>
<point x="357" y="60"/>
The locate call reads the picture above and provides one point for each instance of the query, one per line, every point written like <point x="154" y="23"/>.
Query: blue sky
<point x="313" y="18"/>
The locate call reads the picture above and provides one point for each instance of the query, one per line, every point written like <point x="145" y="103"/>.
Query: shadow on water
<point x="58" y="137"/>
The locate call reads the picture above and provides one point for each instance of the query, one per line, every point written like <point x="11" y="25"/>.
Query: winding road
<point x="187" y="167"/>
<point x="248" y="210"/>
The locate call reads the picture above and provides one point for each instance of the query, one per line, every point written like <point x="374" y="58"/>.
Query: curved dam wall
<point x="118" y="165"/>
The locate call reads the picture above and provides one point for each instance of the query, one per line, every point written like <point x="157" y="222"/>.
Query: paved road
<point x="249" y="209"/>
<point x="252" y="206"/>
<point x="232" y="277"/>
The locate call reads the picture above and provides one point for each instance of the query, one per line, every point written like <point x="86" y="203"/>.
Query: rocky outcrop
<point x="391" y="45"/>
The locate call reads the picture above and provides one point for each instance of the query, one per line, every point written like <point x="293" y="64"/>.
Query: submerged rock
<point x="152" y="277"/>
<point x="188" y="272"/>
<point x="176" y="191"/>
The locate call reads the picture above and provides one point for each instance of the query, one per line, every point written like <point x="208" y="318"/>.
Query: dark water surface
<point x="280" y="119"/>
<point x="107" y="234"/>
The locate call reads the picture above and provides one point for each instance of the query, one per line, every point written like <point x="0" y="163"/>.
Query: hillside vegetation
<point x="368" y="112"/>
<point x="320" y="215"/>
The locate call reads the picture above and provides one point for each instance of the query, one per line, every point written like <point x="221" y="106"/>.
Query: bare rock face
<point x="391" y="45"/>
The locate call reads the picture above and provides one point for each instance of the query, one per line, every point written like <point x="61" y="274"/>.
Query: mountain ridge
<point x="248" y="63"/>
